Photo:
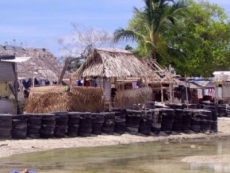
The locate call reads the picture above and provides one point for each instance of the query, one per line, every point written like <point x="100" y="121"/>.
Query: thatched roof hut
<point x="42" y="63"/>
<point x="112" y="62"/>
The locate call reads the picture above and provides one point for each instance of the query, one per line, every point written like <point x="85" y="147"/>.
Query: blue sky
<point x="41" y="23"/>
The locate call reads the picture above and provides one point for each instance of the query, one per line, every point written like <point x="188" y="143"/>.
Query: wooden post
<point x="70" y="82"/>
<point x="171" y="93"/>
<point x="146" y="83"/>
<point x="186" y="91"/>
<point x="16" y="86"/>
<point x="162" y="96"/>
<point x="170" y="84"/>
<point x="115" y="82"/>
<point x="216" y="92"/>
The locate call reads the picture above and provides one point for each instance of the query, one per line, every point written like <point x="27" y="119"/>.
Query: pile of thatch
<point x="56" y="98"/>
<point x="128" y="98"/>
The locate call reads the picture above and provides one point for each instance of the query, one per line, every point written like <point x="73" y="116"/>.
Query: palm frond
<point x="127" y="35"/>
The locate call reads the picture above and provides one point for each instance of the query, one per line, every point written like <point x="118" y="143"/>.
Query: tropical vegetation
<point x="191" y="35"/>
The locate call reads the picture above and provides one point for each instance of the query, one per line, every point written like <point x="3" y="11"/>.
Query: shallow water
<point x="154" y="157"/>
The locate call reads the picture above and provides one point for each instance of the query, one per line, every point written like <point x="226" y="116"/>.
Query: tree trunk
<point x="67" y="61"/>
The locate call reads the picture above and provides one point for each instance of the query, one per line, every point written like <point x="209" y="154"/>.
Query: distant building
<point x="41" y="65"/>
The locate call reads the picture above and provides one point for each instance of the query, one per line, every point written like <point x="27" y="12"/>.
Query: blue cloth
<point x="17" y="171"/>
<point x="79" y="82"/>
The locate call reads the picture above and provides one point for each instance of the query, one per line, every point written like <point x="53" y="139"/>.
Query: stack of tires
<point x="195" y="120"/>
<point x="192" y="106"/>
<point x="167" y="120"/>
<point x="97" y="122"/>
<point x="34" y="123"/>
<point x="157" y="119"/>
<point x="133" y="118"/>
<point x="146" y="122"/>
<point x="186" y="120"/>
<point x="134" y="107"/>
<point x="171" y="105"/>
<point x="120" y="120"/>
<point x="85" y="128"/>
<point x="48" y="125"/>
<point x="178" y="118"/>
<point x="5" y="126"/>
<point x="222" y="110"/>
<point x="205" y="121"/>
<point x="19" y="127"/>
<point x="180" y="106"/>
<point x="214" y="124"/>
<point x="109" y="123"/>
<point x="228" y="111"/>
<point x="150" y="105"/>
<point x="61" y="126"/>
<point x="73" y="124"/>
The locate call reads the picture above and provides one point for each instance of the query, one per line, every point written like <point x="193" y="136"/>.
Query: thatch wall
<point x="112" y="62"/>
<point x="127" y="98"/>
<point x="55" y="98"/>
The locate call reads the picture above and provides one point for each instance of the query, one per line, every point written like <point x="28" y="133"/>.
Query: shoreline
<point x="12" y="147"/>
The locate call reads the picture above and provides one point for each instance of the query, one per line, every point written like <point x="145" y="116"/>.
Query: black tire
<point x="35" y="121"/>
<point x="5" y="125"/>
<point x="33" y="131"/>
<point x="195" y="128"/>
<point x="132" y="130"/>
<point x="109" y="115"/>
<point x="98" y="118"/>
<point x="46" y="136"/>
<point x="19" y="134"/>
<point x="33" y="135"/>
<point x="4" y="131"/>
<point x="33" y="126"/>
<point x="60" y="131"/>
<point x="74" y="121"/>
<point x="72" y="134"/>
<point x="49" y="122"/>
<point x="6" y="136"/>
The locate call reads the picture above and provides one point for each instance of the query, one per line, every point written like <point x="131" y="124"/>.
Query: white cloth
<point x="211" y="92"/>
<point x="199" y="93"/>
<point x="219" y="92"/>
<point x="134" y="84"/>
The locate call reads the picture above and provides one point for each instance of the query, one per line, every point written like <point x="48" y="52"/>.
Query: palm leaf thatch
<point x="42" y="63"/>
<point x="111" y="62"/>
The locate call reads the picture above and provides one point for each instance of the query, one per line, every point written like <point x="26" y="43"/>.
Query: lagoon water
<point x="154" y="157"/>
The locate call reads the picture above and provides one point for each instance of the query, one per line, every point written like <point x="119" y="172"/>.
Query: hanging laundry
<point x="134" y="85"/>
<point x="211" y="92"/>
<point x="199" y="93"/>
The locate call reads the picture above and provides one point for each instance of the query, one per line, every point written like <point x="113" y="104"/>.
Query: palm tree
<point x="156" y="22"/>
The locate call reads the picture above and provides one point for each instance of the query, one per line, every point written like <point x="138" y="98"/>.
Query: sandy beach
<point x="11" y="147"/>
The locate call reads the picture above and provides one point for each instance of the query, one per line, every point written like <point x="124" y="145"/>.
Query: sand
<point x="11" y="147"/>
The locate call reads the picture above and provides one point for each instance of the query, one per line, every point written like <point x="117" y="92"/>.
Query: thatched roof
<point x="42" y="63"/>
<point x="111" y="62"/>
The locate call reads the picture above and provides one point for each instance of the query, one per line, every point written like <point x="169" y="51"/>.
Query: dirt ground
<point x="11" y="147"/>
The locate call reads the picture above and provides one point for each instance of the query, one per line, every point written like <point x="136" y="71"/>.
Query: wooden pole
<point x="162" y="96"/>
<point x="170" y="84"/>
<point x="186" y="82"/>
<point x="216" y="93"/>
<point x="16" y="86"/>
<point x="115" y="82"/>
